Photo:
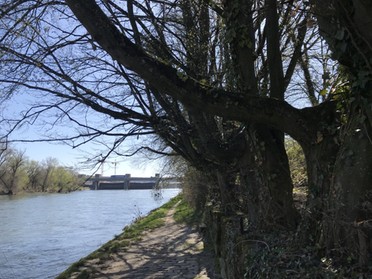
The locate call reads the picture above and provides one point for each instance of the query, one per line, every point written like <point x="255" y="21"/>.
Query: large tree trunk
<point x="277" y="178"/>
<point x="347" y="227"/>
<point x="350" y="223"/>
<point x="226" y="228"/>
<point x="340" y="193"/>
<point x="255" y="196"/>
<point x="320" y="158"/>
<point x="264" y="170"/>
<point x="346" y="222"/>
<point x="266" y="182"/>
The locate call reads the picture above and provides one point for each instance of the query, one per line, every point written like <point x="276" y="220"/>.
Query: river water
<point x="42" y="235"/>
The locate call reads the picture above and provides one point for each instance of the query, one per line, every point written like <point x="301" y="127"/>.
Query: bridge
<point x="127" y="182"/>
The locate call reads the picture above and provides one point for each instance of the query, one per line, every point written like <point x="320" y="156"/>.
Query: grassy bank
<point x="133" y="232"/>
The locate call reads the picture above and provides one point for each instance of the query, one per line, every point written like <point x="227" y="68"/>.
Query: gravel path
<point x="171" y="251"/>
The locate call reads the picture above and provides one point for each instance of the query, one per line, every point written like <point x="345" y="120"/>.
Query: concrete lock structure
<point x="127" y="182"/>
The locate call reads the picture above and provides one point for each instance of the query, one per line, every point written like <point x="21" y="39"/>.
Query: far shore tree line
<point x="19" y="174"/>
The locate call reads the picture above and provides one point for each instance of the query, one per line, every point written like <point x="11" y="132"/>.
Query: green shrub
<point x="297" y="164"/>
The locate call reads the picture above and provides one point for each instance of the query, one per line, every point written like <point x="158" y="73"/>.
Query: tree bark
<point x="346" y="228"/>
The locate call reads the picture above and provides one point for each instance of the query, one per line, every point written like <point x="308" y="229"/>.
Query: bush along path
<point x="161" y="245"/>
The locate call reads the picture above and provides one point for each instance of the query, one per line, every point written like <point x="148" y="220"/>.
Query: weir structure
<point x="127" y="182"/>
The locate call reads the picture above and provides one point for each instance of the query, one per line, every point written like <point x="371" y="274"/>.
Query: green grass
<point x="131" y="234"/>
<point x="185" y="214"/>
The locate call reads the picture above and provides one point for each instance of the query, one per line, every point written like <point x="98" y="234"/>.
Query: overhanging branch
<point x="166" y="79"/>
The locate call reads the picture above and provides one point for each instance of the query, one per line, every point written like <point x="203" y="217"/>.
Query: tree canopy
<point x="96" y="69"/>
<point x="219" y="83"/>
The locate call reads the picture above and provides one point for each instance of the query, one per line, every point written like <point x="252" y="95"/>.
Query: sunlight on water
<point x="41" y="235"/>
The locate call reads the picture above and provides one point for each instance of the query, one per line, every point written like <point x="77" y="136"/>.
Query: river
<point x="42" y="235"/>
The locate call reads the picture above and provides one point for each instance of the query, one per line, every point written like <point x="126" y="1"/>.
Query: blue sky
<point x="65" y="154"/>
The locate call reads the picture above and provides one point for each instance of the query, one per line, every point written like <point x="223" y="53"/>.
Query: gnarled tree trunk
<point x="349" y="226"/>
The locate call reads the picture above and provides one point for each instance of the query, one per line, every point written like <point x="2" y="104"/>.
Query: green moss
<point x="83" y="275"/>
<point x="73" y="268"/>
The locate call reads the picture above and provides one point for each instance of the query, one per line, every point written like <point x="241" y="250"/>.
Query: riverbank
<point x="50" y="191"/>
<point x="164" y="244"/>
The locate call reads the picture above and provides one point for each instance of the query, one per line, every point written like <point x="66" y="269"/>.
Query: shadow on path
<point x="171" y="251"/>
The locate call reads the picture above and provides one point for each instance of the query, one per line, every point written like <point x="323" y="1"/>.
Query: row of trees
<point x="220" y="83"/>
<point x="19" y="174"/>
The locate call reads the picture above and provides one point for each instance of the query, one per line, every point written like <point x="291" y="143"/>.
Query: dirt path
<point x="171" y="251"/>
